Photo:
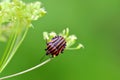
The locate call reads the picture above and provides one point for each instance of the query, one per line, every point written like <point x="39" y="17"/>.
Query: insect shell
<point x="56" y="46"/>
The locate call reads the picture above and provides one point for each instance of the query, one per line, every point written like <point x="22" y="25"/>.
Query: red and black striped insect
<point x="56" y="46"/>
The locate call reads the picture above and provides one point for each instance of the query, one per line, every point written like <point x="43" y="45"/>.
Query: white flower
<point x="45" y="35"/>
<point x="52" y="34"/>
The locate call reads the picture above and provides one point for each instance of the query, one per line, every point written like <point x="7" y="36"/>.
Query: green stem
<point x="16" y="47"/>
<point x="72" y="48"/>
<point x="7" y="52"/>
<point x="16" y="42"/>
<point x="25" y="71"/>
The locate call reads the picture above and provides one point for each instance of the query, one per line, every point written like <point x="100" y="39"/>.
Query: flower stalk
<point x="13" y="45"/>
<point x="28" y="70"/>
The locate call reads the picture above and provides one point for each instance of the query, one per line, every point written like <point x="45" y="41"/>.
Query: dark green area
<point x="96" y="23"/>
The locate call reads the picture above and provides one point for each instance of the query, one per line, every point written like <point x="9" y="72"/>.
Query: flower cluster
<point x="70" y="39"/>
<point x="17" y="9"/>
<point x="16" y="12"/>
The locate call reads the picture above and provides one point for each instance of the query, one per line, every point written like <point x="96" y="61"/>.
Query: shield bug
<point x="56" y="46"/>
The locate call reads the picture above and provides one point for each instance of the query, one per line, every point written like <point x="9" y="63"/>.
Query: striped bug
<point x="56" y="46"/>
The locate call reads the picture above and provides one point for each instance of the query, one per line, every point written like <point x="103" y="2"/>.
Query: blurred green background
<point x="96" y="23"/>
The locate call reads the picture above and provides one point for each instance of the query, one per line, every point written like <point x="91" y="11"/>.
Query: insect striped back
<point x="56" y="46"/>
